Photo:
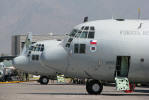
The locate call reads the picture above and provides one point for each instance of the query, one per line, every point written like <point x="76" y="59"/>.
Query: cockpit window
<point x="31" y="48"/>
<point x="34" y="48"/>
<point x="82" y="27"/>
<point x="69" y="42"/>
<point x="78" y="34"/>
<point x="70" y="39"/>
<point x="42" y="47"/>
<point x="91" y="35"/>
<point x="84" y="34"/>
<point x="87" y="32"/>
<point x="37" y="47"/>
<point x="86" y="28"/>
<point x="92" y="28"/>
<point x="73" y="33"/>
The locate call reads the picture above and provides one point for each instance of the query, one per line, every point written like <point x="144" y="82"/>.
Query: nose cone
<point x="19" y="61"/>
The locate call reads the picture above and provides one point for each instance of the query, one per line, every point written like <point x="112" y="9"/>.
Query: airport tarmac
<point x="35" y="91"/>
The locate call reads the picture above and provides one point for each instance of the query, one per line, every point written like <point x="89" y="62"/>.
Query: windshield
<point x="78" y="34"/>
<point x="84" y="34"/>
<point x="74" y="31"/>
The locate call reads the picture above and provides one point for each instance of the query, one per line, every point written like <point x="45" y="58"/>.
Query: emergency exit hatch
<point x="121" y="73"/>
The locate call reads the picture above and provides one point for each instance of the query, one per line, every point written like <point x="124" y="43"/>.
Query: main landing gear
<point x="94" y="87"/>
<point x="44" y="80"/>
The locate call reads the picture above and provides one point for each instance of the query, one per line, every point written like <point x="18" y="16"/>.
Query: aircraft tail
<point x="27" y="44"/>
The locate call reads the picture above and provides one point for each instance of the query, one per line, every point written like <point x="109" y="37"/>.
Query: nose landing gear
<point x="94" y="87"/>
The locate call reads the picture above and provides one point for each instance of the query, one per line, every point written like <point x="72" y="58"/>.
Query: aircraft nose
<point x="19" y="61"/>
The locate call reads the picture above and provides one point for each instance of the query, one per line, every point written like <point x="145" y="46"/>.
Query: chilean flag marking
<point x="93" y="42"/>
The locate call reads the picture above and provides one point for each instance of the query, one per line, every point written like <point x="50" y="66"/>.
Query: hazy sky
<point x="59" y="16"/>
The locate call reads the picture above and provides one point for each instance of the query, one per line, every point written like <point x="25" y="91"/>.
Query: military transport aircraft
<point x="29" y="60"/>
<point x="113" y="50"/>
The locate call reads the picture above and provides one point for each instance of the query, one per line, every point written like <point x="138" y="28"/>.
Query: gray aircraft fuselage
<point x="113" y="38"/>
<point x="96" y="55"/>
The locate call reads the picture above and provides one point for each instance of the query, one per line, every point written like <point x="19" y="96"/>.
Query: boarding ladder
<point x="122" y="83"/>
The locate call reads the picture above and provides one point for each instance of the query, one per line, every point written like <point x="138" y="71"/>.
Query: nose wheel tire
<point x="94" y="87"/>
<point x="44" y="80"/>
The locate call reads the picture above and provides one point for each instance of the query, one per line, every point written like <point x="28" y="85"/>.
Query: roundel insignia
<point x="93" y="48"/>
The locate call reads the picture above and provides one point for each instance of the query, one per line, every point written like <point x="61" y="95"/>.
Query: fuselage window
<point x="91" y="35"/>
<point x="84" y="34"/>
<point x="79" y="48"/>
<point x="76" y="48"/>
<point x="82" y="48"/>
<point x="35" y="57"/>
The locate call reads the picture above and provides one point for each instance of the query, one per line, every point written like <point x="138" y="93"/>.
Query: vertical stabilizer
<point x="27" y="43"/>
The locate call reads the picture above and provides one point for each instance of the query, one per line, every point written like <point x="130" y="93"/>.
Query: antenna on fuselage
<point x="85" y="19"/>
<point x="139" y="13"/>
